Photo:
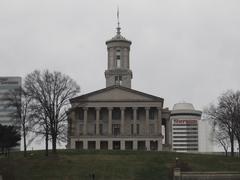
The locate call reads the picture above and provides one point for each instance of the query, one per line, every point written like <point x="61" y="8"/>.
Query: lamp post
<point x="177" y="161"/>
<point x="177" y="171"/>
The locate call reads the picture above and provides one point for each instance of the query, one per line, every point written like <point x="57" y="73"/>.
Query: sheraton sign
<point x="184" y="121"/>
<point x="8" y="81"/>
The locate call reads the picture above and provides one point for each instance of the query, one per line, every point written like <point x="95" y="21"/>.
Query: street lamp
<point x="177" y="161"/>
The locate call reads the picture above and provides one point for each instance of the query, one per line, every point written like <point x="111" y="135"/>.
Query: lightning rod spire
<point x="118" y="27"/>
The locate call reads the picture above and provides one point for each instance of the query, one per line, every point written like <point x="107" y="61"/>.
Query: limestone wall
<point x="223" y="175"/>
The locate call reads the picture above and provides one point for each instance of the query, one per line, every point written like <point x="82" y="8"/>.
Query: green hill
<point x="116" y="165"/>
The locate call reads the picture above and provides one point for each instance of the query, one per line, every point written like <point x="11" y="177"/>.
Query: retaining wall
<point x="224" y="175"/>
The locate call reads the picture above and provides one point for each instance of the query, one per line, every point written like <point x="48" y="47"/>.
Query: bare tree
<point x="226" y="115"/>
<point x="221" y="138"/>
<point x="41" y="124"/>
<point x="236" y="117"/>
<point x="20" y="101"/>
<point x="52" y="91"/>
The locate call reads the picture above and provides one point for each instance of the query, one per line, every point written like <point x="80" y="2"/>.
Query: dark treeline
<point x="9" y="137"/>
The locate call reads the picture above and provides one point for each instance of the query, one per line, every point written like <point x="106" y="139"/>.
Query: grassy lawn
<point x="115" y="165"/>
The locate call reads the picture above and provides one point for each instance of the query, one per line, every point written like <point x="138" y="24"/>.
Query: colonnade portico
<point x="122" y="120"/>
<point x="134" y="128"/>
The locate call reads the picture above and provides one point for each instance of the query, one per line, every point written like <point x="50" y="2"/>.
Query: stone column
<point x="97" y="144"/>
<point x="97" y="120"/>
<point x="74" y="124"/>
<point x="85" y="121"/>
<point x="85" y="144"/>
<point x="147" y="144"/>
<point x="160" y="144"/>
<point x="110" y="120"/>
<point x="122" y="145"/>
<point x="159" y="122"/>
<point x="135" y="145"/>
<point x="110" y="145"/>
<point x="135" y="120"/>
<point x="147" y="121"/>
<point x="122" y="120"/>
<point x="77" y="128"/>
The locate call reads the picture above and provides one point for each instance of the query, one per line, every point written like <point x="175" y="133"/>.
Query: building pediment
<point x="116" y="94"/>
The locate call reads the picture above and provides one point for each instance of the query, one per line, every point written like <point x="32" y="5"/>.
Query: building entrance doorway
<point x="128" y="145"/>
<point x="91" y="144"/>
<point x="141" y="145"/>
<point x="103" y="145"/>
<point x="116" y="145"/>
<point x="153" y="145"/>
<point x="79" y="145"/>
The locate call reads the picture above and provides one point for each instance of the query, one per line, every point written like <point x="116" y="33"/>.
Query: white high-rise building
<point x="7" y="84"/>
<point x="184" y="120"/>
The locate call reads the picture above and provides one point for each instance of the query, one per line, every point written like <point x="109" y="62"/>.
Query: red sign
<point x="185" y="121"/>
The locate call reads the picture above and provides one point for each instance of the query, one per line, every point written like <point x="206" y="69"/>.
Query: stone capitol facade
<point x="118" y="117"/>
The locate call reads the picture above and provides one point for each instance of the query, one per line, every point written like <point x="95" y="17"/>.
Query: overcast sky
<point x="182" y="50"/>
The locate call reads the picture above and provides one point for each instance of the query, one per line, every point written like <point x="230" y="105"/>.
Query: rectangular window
<point x="186" y="132"/>
<point x="131" y="128"/>
<point x="138" y="129"/>
<point x="118" y="52"/>
<point x="118" y="63"/>
<point x="177" y="137"/>
<point x="81" y="129"/>
<point x="138" y="114"/>
<point x="187" y="140"/>
<point x="100" y="128"/>
<point x="116" y="114"/>
<point x="151" y="129"/>
<point x="118" y="80"/>
<point x="151" y="114"/>
<point x="118" y="59"/>
<point x="185" y="149"/>
<point x="116" y="129"/>
<point x="131" y="114"/>
<point x="101" y="115"/>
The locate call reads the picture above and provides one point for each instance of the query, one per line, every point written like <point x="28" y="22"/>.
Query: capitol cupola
<point x="118" y="70"/>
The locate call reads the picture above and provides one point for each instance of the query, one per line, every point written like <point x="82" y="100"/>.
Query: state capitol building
<point x="117" y="116"/>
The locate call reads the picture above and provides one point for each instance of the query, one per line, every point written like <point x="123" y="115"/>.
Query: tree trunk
<point x="54" y="142"/>
<point x="24" y="141"/>
<point x="226" y="153"/>
<point x="232" y="144"/>
<point x="46" y="142"/>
